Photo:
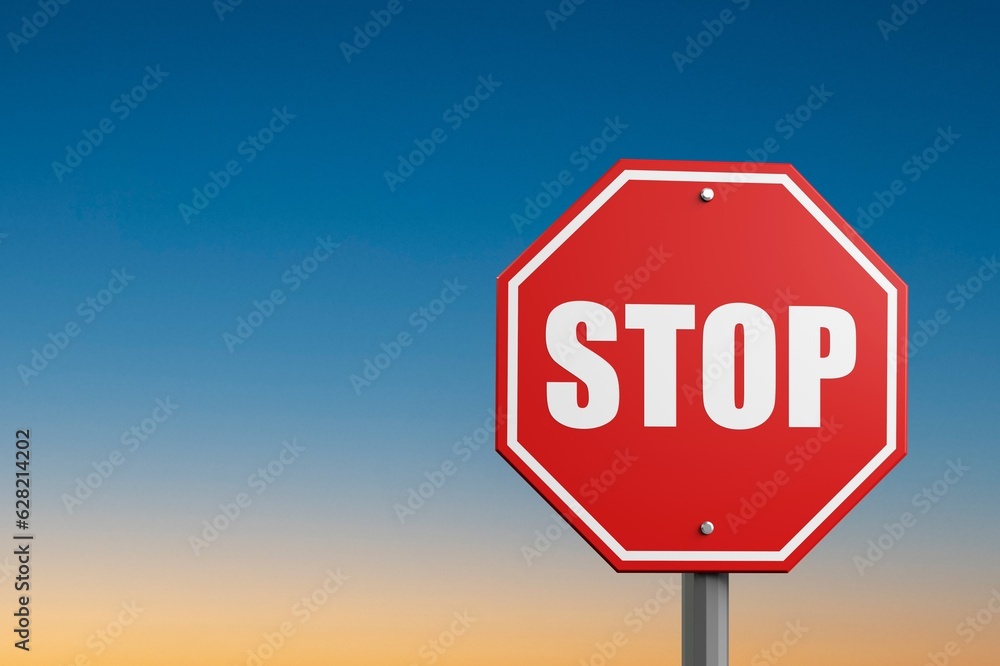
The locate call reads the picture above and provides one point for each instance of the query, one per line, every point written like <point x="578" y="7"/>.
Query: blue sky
<point x="324" y="174"/>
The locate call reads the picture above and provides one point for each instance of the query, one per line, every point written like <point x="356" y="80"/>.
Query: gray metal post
<point x="705" y="619"/>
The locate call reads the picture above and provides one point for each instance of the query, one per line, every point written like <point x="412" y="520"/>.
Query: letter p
<point x="807" y="368"/>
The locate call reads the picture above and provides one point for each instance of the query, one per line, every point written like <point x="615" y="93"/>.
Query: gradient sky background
<point x="451" y="220"/>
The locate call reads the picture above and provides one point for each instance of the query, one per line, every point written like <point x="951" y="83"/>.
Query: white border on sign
<point x="578" y="509"/>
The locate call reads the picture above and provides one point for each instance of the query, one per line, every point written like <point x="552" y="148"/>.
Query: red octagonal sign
<point x="702" y="369"/>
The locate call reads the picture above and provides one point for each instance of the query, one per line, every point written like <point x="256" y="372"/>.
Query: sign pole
<point x="705" y="619"/>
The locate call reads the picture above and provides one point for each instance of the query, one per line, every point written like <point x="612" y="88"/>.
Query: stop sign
<point x="702" y="369"/>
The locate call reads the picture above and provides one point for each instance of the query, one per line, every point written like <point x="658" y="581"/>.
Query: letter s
<point x="596" y="373"/>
